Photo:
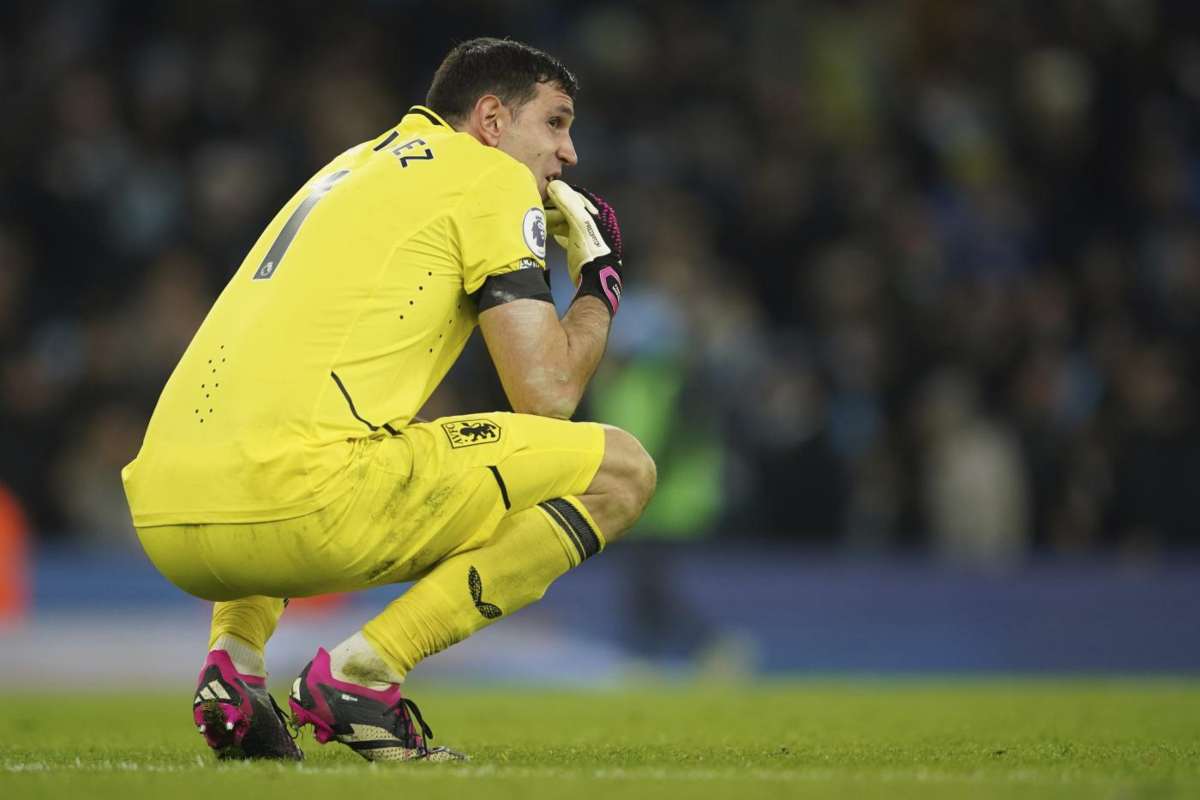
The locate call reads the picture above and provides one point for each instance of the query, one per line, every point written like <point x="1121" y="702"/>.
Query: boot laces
<point x="289" y="724"/>
<point x="401" y="709"/>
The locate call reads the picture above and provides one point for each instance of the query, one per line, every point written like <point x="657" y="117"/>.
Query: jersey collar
<point x="428" y="114"/>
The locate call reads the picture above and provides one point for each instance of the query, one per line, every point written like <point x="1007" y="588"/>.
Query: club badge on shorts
<point x="534" y="229"/>
<point x="470" y="432"/>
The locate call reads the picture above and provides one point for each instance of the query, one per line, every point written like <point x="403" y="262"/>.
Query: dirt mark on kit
<point x="380" y="569"/>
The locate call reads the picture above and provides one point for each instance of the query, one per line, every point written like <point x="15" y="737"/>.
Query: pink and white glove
<point x="585" y="225"/>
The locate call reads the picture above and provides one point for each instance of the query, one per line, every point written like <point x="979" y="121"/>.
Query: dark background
<point x="918" y="276"/>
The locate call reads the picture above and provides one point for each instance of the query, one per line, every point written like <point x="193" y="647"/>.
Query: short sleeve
<point x="501" y="225"/>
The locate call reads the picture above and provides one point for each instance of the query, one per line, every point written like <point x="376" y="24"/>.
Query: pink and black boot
<point x="378" y="725"/>
<point x="238" y="716"/>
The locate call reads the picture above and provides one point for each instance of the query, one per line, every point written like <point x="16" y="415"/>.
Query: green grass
<point x="978" y="739"/>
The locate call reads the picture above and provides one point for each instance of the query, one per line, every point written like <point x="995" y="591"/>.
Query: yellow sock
<point x="251" y="620"/>
<point x="528" y="551"/>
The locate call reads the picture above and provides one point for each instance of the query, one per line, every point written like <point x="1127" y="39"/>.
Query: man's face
<point x="539" y="135"/>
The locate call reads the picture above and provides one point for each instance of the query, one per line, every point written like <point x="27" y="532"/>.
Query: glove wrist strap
<point x="601" y="279"/>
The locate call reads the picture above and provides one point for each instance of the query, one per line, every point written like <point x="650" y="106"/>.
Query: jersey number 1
<point x="283" y="241"/>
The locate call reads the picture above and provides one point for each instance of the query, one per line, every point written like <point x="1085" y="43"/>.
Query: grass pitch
<point x="978" y="739"/>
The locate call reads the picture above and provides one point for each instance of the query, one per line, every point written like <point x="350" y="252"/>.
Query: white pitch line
<point x="1024" y="776"/>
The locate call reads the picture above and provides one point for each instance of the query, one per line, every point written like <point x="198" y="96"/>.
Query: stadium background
<point x="911" y="324"/>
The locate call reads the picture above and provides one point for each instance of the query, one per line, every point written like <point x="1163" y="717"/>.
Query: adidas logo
<point x="349" y="698"/>
<point x="213" y="691"/>
<point x="475" y="584"/>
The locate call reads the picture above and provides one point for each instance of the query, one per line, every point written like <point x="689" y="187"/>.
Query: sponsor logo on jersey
<point x="534" y="229"/>
<point x="470" y="432"/>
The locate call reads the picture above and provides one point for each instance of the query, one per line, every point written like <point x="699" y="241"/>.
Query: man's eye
<point x="555" y="122"/>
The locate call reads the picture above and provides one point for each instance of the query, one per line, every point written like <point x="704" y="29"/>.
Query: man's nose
<point x="567" y="154"/>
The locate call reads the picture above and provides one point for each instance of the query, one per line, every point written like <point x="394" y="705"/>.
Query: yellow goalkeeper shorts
<point x="436" y="489"/>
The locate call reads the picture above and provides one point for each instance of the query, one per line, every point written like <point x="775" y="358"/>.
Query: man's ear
<point x="489" y="118"/>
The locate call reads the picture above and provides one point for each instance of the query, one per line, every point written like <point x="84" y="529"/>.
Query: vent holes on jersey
<point x="208" y="392"/>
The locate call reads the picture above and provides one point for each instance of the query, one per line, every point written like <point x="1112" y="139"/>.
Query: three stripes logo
<point x="475" y="584"/>
<point x="213" y="691"/>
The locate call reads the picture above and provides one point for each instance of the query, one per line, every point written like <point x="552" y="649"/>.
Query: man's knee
<point x="643" y="476"/>
<point x="629" y="473"/>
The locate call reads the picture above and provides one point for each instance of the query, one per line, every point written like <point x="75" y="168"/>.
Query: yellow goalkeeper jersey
<point x="338" y="325"/>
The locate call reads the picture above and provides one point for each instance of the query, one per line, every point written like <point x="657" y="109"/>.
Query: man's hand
<point x="585" y="225"/>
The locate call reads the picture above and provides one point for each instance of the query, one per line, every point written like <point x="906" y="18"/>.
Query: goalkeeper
<point x="284" y="459"/>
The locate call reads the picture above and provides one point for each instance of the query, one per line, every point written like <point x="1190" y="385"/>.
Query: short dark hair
<point x="510" y="70"/>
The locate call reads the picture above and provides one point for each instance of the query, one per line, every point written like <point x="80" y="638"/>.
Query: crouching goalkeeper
<point x="283" y="458"/>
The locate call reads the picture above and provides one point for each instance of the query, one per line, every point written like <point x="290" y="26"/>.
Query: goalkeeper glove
<point x="585" y="225"/>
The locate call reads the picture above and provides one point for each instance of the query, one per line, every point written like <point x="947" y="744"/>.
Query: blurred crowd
<point x="900" y="275"/>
